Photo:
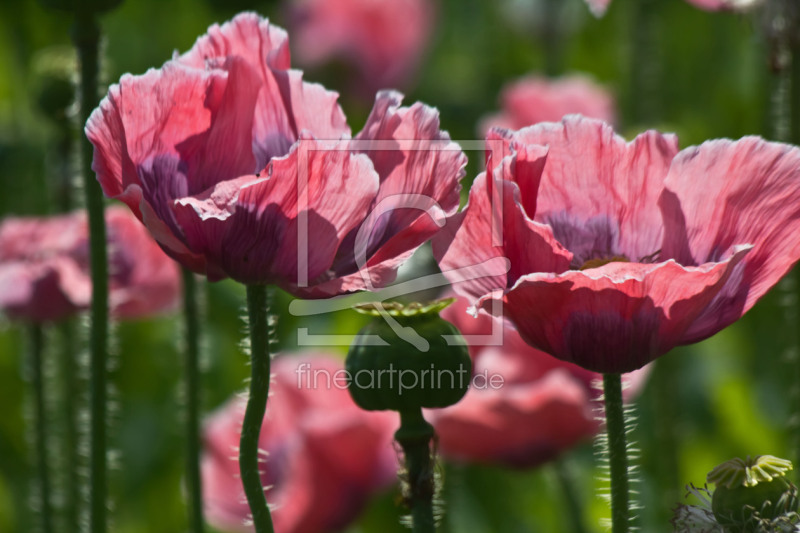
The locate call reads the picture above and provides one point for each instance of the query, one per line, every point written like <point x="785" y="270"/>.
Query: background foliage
<point x="711" y="79"/>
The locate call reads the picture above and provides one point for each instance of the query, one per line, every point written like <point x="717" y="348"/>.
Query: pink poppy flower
<point x="241" y="169"/>
<point x="44" y="268"/>
<point x="535" y="99"/>
<point x="383" y="40"/>
<point x="617" y="252"/>
<point x="541" y="408"/>
<point x="324" y="457"/>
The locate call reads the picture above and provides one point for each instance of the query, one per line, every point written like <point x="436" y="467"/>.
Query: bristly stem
<point x="414" y="436"/>
<point x="192" y="356"/>
<point x="86" y="35"/>
<point x="780" y="31"/>
<point x="42" y="444"/>
<point x="644" y="87"/>
<point x="256" y="407"/>
<point x="552" y="36"/>
<point x="617" y="452"/>
<point x="68" y="392"/>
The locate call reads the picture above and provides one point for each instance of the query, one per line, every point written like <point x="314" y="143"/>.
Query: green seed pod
<point x="751" y="490"/>
<point x="407" y="358"/>
<point x="53" y="82"/>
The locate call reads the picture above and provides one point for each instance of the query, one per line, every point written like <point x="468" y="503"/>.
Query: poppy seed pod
<point x="420" y="361"/>
<point x="750" y="490"/>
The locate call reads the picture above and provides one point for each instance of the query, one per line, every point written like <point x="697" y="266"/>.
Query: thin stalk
<point x="69" y="391"/>
<point x="617" y="452"/>
<point x="86" y="36"/>
<point x="781" y="24"/>
<point x="571" y="500"/>
<point x="552" y="35"/>
<point x="644" y="87"/>
<point x="414" y="437"/>
<point x="192" y="351"/>
<point x="256" y="408"/>
<point x="42" y="444"/>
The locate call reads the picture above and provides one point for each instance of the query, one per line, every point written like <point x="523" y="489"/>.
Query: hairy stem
<point x="191" y="361"/>
<point x="69" y="390"/>
<point x="552" y="36"/>
<point x="86" y="35"/>
<point x="617" y="452"/>
<point x="256" y="407"/>
<point x="414" y="437"/>
<point x="644" y="87"/>
<point x="42" y="443"/>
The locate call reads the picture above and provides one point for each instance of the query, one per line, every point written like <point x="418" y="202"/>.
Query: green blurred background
<point x="706" y="75"/>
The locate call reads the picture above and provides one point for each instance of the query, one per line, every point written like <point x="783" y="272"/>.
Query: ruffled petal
<point x="286" y="104"/>
<point x="723" y="194"/>
<point x="248" y="36"/>
<point x="616" y="318"/>
<point x="251" y="227"/>
<point x="491" y="243"/>
<point x="420" y="169"/>
<point x="525" y="168"/>
<point x="201" y="119"/>
<point x="594" y="179"/>
<point x="265" y="49"/>
<point x="313" y="108"/>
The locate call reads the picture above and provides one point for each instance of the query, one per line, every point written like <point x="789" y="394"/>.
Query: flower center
<point x="600" y="261"/>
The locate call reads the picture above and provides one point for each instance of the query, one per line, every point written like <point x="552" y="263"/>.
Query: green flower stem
<point x="617" y="452"/>
<point x="86" y="35"/>
<point x="645" y="87"/>
<point x="41" y="445"/>
<point x="552" y="37"/>
<point x="780" y="34"/>
<point x="69" y="390"/>
<point x="571" y="500"/>
<point x="256" y="407"/>
<point x="192" y="351"/>
<point x="414" y="436"/>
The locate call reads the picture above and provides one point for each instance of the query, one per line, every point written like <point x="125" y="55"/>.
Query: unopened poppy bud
<point x="407" y="358"/>
<point x="54" y="70"/>
<point x="751" y="490"/>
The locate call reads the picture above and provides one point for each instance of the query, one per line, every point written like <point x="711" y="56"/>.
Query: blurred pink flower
<point x="324" y="457"/>
<point x="44" y="268"/>
<point x="533" y="99"/>
<point x="725" y="5"/>
<point x="616" y="252"/>
<point x="383" y="40"/>
<point x="542" y="408"/>
<point x="598" y="7"/>
<point x="220" y="153"/>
